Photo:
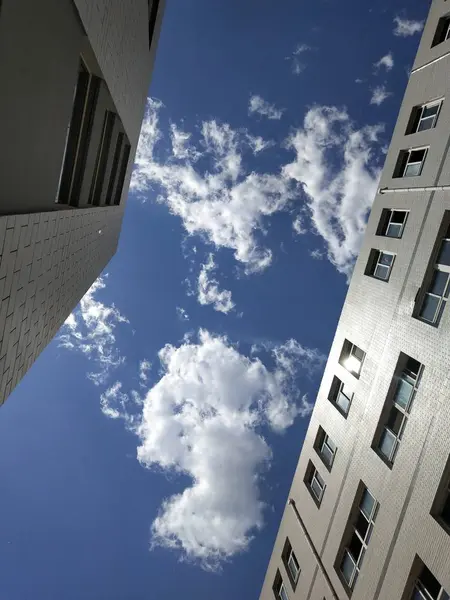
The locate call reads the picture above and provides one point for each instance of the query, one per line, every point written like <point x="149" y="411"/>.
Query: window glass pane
<point x="330" y="444"/>
<point x="403" y="393"/>
<point x="426" y="124"/>
<point x="413" y="170"/>
<point x="418" y="595"/>
<point x="416" y="156"/>
<point x="293" y="567"/>
<point x="439" y="282"/>
<point x="381" y="272"/>
<point x="430" y="111"/>
<point x="362" y="525"/>
<point x="355" y="547"/>
<point x="327" y="455"/>
<point x="347" y="567"/>
<point x="394" y="230"/>
<point x="445" y="514"/>
<point x="429" y="308"/>
<point x="367" y="503"/>
<point x="429" y="582"/>
<point x="395" y="420"/>
<point x="358" y="353"/>
<point x="398" y="216"/>
<point x="316" y="488"/>
<point x="385" y="259"/>
<point x="444" y="254"/>
<point x="343" y="402"/>
<point x="282" y="593"/>
<point x="387" y="444"/>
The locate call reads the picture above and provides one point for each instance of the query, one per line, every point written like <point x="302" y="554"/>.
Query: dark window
<point x="410" y="162"/>
<point x="424" y="117"/>
<point x="314" y="483"/>
<point x="152" y="14"/>
<point x="427" y="587"/>
<point x="380" y="264"/>
<point x="340" y="396"/>
<point x="392" y="223"/>
<point x="114" y="168"/>
<point x="122" y="173"/>
<point x="279" y="589"/>
<point x="352" y="358"/>
<point x="291" y="563"/>
<point x="397" y="407"/>
<point x="441" y="505"/>
<point x="102" y="158"/>
<point x="325" y="448"/>
<point x="442" y="31"/>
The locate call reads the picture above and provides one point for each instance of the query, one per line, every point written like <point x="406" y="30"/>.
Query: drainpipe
<point x="429" y="188"/>
<point x="313" y="550"/>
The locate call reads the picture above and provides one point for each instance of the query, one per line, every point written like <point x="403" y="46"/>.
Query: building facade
<point x="75" y="79"/>
<point x="368" y="513"/>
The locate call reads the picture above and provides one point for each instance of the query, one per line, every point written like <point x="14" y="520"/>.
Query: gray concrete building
<point x="368" y="513"/>
<point x="75" y="76"/>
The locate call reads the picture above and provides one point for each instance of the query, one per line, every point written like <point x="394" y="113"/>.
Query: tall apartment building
<point x="75" y="76"/>
<point x="368" y="513"/>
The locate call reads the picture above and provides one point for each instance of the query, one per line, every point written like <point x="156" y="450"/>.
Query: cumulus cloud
<point x="219" y="200"/>
<point x="379" y="95"/>
<point x="406" y="27"/>
<point x="335" y="165"/>
<point x="205" y="419"/>
<point x="90" y="329"/>
<point x="208" y="291"/>
<point x="261" y="107"/>
<point x="386" y="61"/>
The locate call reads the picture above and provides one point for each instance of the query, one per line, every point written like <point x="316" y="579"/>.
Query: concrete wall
<point x="377" y="316"/>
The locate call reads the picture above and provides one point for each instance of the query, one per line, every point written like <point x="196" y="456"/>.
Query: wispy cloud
<point x="386" y="61"/>
<point x="379" y="95"/>
<point x="208" y="291"/>
<point x="298" y="64"/>
<point x="182" y="314"/>
<point x="406" y="27"/>
<point x="90" y="329"/>
<point x="335" y="164"/>
<point x="144" y="370"/>
<point x="259" y="106"/>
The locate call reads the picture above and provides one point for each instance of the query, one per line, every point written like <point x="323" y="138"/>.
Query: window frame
<point x="442" y="33"/>
<point x="346" y="355"/>
<point x="337" y="388"/>
<point x="324" y="440"/>
<point x="375" y="262"/>
<point x="386" y="220"/>
<point x="403" y="162"/>
<point x="312" y="475"/>
<point x="293" y="558"/>
<point x="419" y="587"/>
<point x="418" y="118"/>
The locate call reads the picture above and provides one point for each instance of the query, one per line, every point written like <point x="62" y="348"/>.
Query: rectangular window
<point x="340" y="396"/>
<point x="410" y="162"/>
<point x="392" y="223"/>
<point x="424" y="117"/>
<point x="152" y="14"/>
<point x="441" y="505"/>
<point x="102" y="159"/>
<point x="398" y="406"/>
<point x="352" y="358"/>
<point x="427" y="587"/>
<point x="291" y="563"/>
<point x="437" y="291"/>
<point x="356" y="538"/>
<point x="279" y="589"/>
<point x="325" y="448"/>
<point x="122" y="173"/>
<point x="380" y="264"/>
<point x="77" y="142"/>
<point x="442" y="31"/>
<point x="114" y="168"/>
<point x="314" y="483"/>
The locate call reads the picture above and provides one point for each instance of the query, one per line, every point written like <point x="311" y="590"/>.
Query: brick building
<point x="75" y="78"/>
<point x="368" y="513"/>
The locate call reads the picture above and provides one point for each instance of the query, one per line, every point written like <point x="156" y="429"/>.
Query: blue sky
<point x="149" y="451"/>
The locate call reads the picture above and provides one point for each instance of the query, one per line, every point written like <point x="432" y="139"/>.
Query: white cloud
<point x="258" y="144"/>
<point x="208" y="289"/>
<point x="297" y="65"/>
<point x="144" y="369"/>
<point x="261" y="107"/>
<point x="335" y="165"/>
<point x="181" y="312"/>
<point x="406" y="27"/>
<point x="316" y="254"/>
<point x="90" y="329"/>
<point x="205" y="419"/>
<point x="379" y="95"/>
<point x="298" y="225"/>
<point x="386" y="61"/>
<point x="223" y="201"/>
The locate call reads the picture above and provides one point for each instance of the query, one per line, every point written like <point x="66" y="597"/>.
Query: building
<point x="368" y="513"/>
<point x="75" y="78"/>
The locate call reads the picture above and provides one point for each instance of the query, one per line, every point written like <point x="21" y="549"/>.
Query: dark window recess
<point x="325" y="448"/>
<point x="340" y="396"/>
<point x="392" y="223"/>
<point x="427" y="587"/>
<point x="152" y="14"/>
<point x="442" y="31"/>
<point x="102" y="159"/>
<point x="441" y="506"/>
<point x="114" y="168"/>
<point x="122" y="173"/>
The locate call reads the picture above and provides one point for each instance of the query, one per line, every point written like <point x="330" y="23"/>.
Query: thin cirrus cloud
<point x="406" y="27"/>
<point x="386" y="61"/>
<point x="298" y="65"/>
<point x="259" y="106"/>
<point x="208" y="291"/>
<point x="379" y="95"/>
<point x="90" y="329"/>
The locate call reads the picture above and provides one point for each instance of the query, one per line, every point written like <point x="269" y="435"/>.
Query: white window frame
<point x="377" y="263"/>
<point x="282" y="589"/>
<point x="364" y="540"/>
<point x="340" y="391"/>
<point x="413" y="379"/>
<point x="390" y="222"/>
<point x="326" y="443"/>
<point x="316" y="477"/>
<point x="292" y="558"/>
<point x="421" y="163"/>
<point x="442" y="300"/>
<point x="421" y="589"/>
<point x="422" y="108"/>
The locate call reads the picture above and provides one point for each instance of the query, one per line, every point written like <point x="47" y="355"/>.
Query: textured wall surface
<point x="378" y="317"/>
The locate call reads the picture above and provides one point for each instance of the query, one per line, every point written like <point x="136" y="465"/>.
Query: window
<point x="279" y="589"/>
<point x="435" y="298"/>
<point x="122" y="173"/>
<point x="314" y="483"/>
<point x="152" y="14"/>
<point x="427" y="587"/>
<point x="442" y="31"/>
<point x="357" y="537"/>
<point x="102" y="158"/>
<point x="340" y="396"/>
<point x="352" y="358"/>
<point x="441" y="505"/>
<point x="424" y="117"/>
<point x="291" y="563"/>
<point x="398" y="407"/>
<point x="392" y="223"/>
<point x="77" y="140"/>
<point x="325" y="448"/>
<point x="410" y="162"/>
<point x="380" y="264"/>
